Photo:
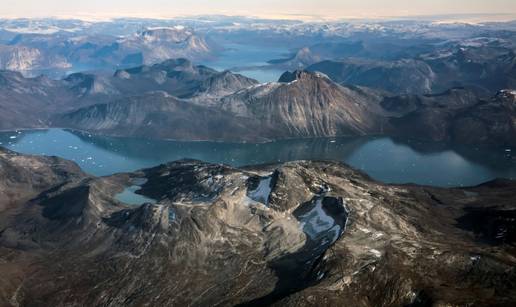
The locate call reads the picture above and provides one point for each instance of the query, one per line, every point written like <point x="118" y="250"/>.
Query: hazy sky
<point x="273" y="8"/>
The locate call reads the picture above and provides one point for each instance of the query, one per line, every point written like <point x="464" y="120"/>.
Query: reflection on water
<point x="385" y="159"/>
<point x="249" y="61"/>
<point x="261" y="74"/>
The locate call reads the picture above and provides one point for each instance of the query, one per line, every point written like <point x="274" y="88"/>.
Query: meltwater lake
<point x="383" y="158"/>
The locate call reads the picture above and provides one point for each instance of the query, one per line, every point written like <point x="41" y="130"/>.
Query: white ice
<point x="262" y="192"/>
<point x="316" y="221"/>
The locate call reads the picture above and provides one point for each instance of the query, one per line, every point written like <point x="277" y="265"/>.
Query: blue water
<point x="249" y="61"/>
<point x="385" y="159"/>
<point x="129" y="196"/>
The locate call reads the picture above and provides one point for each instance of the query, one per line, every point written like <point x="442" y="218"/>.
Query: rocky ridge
<point x="297" y="234"/>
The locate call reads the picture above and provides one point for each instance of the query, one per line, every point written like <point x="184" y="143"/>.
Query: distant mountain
<point x="222" y="84"/>
<point x="83" y="84"/>
<point x="161" y="116"/>
<point x="399" y="77"/>
<point x="20" y="96"/>
<point x="179" y="77"/>
<point x="179" y="100"/>
<point x="304" y="104"/>
<point x="62" y="51"/>
<point x="457" y="116"/>
<point x="29" y="102"/>
<point x="163" y="43"/>
<point x="302" y="58"/>
<point x="486" y="70"/>
<point x="301" y="104"/>
<point x="23" y="58"/>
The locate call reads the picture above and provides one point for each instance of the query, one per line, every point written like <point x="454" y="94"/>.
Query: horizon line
<point x="459" y="17"/>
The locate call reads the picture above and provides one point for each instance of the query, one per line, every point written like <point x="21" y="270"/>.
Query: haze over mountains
<point x="168" y="100"/>
<point x="366" y="70"/>
<point x="68" y="51"/>
<point x="300" y="233"/>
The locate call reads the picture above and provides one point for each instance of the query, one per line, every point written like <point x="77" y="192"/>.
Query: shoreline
<point x="395" y="139"/>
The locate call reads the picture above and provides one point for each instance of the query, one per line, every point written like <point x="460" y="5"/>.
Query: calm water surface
<point x="249" y="61"/>
<point x="382" y="158"/>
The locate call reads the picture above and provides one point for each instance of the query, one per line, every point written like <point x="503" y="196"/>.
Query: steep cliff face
<point x="301" y="233"/>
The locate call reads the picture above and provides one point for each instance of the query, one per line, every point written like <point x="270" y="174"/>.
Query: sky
<point x="333" y="9"/>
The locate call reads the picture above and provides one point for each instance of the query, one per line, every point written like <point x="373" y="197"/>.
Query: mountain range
<point x="304" y="104"/>
<point x="295" y="234"/>
<point x="179" y="100"/>
<point x="57" y="53"/>
<point x="484" y="69"/>
<point x="299" y="233"/>
<point x="20" y="95"/>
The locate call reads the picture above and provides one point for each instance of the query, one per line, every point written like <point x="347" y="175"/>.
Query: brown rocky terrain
<point x="33" y="102"/>
<point x="179" y="100"/>
<point x="304" y="104"/>
<point x="457" y="116"/>
<point x="302" y="233"/>
<point x="301" y="104"/>
<point x="486" y="69"/>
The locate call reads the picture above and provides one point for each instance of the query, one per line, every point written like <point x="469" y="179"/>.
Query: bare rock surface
<point x="302" y="233"/>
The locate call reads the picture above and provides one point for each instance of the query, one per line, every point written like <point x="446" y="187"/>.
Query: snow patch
<point x="262" y="192"/>
<point x="474" y="258"/>
<point x="316" y="222"/>
<point x="376" y="253"/>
